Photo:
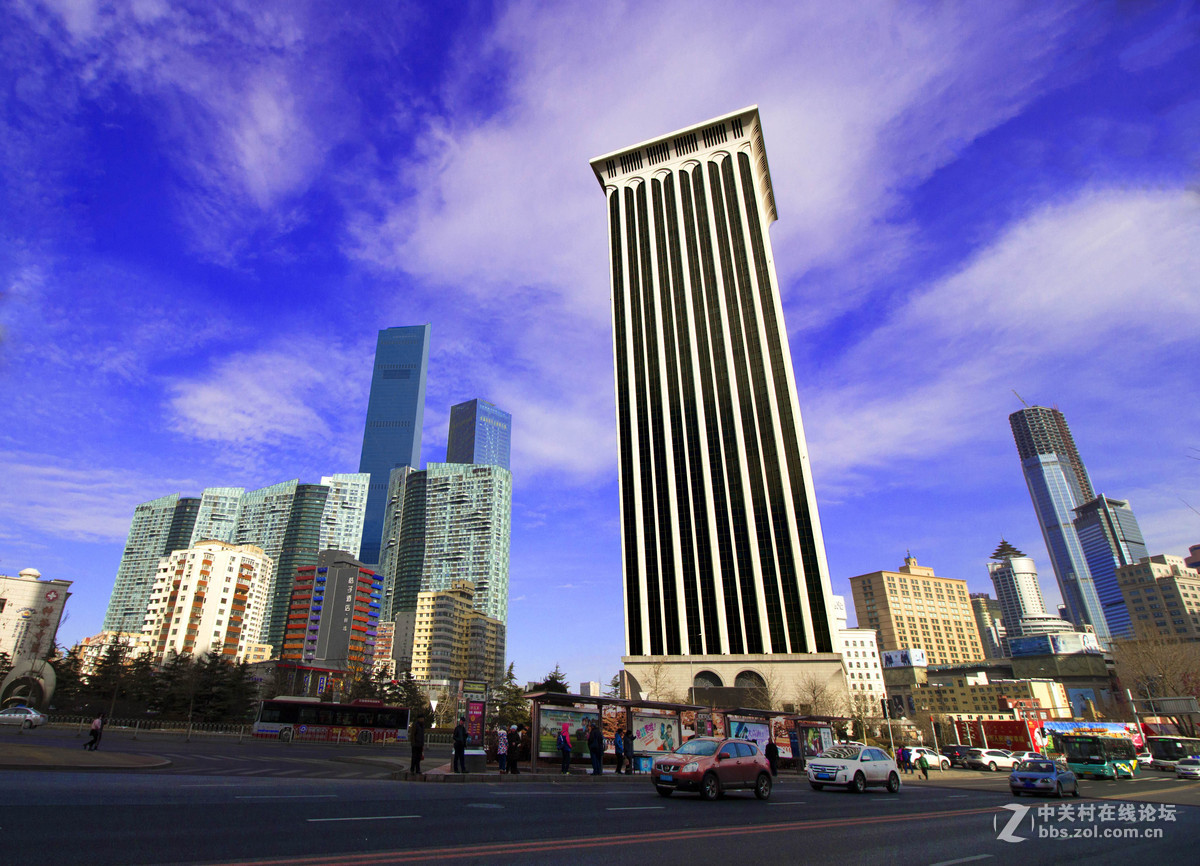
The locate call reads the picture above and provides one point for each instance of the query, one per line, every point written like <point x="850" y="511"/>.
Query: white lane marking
<point x="366" y="818"/>
<point x="962" y="860"/>
<point x="632" y="808"/>
<point x="786" y="803"/>
<point x="249" y="772"/>
<point x="957" y="796"/>
<point x="286" y="797"/>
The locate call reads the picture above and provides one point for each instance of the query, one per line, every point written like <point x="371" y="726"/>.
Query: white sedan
<point x="935" y="760"/>
<point x="855" y="768"/>
<point x="989" y="759"/>
<point x="23" y="716"/>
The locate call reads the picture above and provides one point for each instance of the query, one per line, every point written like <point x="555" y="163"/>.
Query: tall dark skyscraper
<point x="480" y="433"/>
<point x="395" y="412"/>
<point x="722" y="545"/>
<point x="1059" y="484"/>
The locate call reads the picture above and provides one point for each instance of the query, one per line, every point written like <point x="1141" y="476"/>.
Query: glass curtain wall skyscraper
<point x="480" y="433"/>
<point x="1058" y="484"/>
<point x="721" y="540"/>
<point x="395" y="412"/>
<point x="1110" y="537"/>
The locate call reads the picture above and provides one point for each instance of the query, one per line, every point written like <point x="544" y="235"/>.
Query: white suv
<point x="989" y="759"/>
<point x="935" y="760"/>
<point x="855" y="768"/>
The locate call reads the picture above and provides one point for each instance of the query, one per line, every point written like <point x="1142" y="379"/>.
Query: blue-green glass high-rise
<point x="480" y="433"/>
<point x="395" y="412"/>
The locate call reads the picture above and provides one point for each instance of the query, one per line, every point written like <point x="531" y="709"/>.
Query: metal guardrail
<point x="167" y="729"/>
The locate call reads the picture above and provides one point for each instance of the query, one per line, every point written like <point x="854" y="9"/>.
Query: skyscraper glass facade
<point x="722" y="545"/>
<point x="395" y="412"/>
<point x="1058" y="484"/>
<point x="1110" y="537"/>
<point x="480" y="433"/>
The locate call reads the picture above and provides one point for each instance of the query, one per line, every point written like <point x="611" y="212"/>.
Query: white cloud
<point x="1087" y="292"/>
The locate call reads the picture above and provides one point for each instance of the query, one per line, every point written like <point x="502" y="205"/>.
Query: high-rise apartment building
<point x="395" y="412"/>
<point x="1162" y="595"/>
<point x="1110" y="537"/>
<point x="289" y="521"/>
<point x="333" y="616"/>
<point x="722" y="545"/>
<point x="1058" y="484"/>
<point x="915" y="609"/>
<point x="480" y="433"/>
<point x="989" y="619"/>
<point x="452" y="640"/>
<point x="158" y="527"/>
<point x="448" y="522"/>
<point x="209" y="598"/>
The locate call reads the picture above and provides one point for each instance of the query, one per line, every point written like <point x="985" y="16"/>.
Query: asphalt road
<point x="141" y="818"/>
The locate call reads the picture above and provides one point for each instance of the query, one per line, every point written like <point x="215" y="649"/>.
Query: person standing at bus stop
<point x="619" y="748"/>
<point x="460" y="746"/>
<point x="416" y="738"/>
<point x="514" y="750"/>
<point x="595" y="743"/>
<point x="502" y="748"/>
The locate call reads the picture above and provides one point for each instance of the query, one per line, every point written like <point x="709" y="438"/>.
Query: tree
<point x="659" y="684"/>
<point x="555" y="681"/>
<point x="70" y="691"/>
<point x="820" y="696"/>
<point x="511" y="706"/>
<point x="409" y="695"/>
<point x="1161" y="667"/>
<point x="613" y="689"/>
<point x="769" y="695"/>
<point x="5" y="665"/>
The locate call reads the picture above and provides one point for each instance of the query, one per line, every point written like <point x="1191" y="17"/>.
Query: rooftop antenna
<point x="1019" y="397"/>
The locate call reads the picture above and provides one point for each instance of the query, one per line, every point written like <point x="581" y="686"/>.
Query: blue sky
<point x="208" y="210"/>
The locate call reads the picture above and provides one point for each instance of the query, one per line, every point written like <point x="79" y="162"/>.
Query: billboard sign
<point x="655" y="733"/>
<point x="904" y="658"/>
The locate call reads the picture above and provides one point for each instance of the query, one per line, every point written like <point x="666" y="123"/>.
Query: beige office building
<point x="1163" y="597"/>
<point x="913" y="608"/>
<point x="454" y="641"/>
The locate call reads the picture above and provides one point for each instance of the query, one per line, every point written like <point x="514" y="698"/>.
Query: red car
<point x="712" y="767"/>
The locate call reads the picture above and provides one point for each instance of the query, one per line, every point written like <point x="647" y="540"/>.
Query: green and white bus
<point x="1099" y="756"/>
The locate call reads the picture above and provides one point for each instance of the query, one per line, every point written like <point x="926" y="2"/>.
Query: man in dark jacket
<point x="772" y="754"/>
<point x="416" y="738"/>
<point x="629" y="744"/>
<point x="460" y="747"/>
<point x="595" y="743"/>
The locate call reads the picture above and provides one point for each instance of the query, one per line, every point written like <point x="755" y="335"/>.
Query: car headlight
<point x="690" y="767"/>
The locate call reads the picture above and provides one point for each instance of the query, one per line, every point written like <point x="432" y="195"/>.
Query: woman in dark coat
<point x="514" y="749"/>
<point x="416" y="738"/>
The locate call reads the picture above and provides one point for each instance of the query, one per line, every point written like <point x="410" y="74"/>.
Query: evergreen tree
<point x="5" y="665"/>
<point x="109" y="680"/>
<point x="613" y="689"/>
<point x="511" y="706"/>
<point x="411" y="696"/>
<point x="555" y="681"/>
<point x="70" y="691"/>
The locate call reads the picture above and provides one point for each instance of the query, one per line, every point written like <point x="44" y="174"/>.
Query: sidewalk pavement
<point x="18" y="756"/>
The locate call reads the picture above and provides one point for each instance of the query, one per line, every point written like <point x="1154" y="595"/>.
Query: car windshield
<point x="1036" y="767"/>
<point x="698" y="747"/>
<point x="1189" y="762"/>
<point x="846" y="752"/>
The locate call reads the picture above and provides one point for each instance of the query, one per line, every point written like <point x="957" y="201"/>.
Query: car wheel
<point x="364" y="738"/>
<point x="1058" y="791"/>
<point x="1075" y="790"/>
<point x="816" y="786"/>
<point x="992" y="766"/>
<point x="1015" y="792"/>
<point x="859" y="784"/>
<point x="893" y="784"/>
<point x="762" y="787"/>
<point x="26" y="724"/>
<point x="945" y="765"/>
<point x="286" y="735"/>
<point x="710" y="788"/>
<point x="664" y="792"/>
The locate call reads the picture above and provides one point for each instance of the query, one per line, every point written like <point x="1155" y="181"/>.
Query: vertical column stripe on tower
<point x="704" y="569"/>
<point x="674" y="389"/>
<point x="746" y="605"/>
<point x="797" y="470"/>
<point x="648" y="568"/>
<point x="721" y="518"/>
<point x="669" y="621"/>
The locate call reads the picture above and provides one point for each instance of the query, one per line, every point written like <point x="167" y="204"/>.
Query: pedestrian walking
<point x="416" y="739"/>
<point x="772" y="753"/>
<point x="502" y="748"/>
<point x="563" y="742"/>
<point x="923" y="766"/>
<point x="629" y="751"/>
<point x="595" y="743"/>
<point x="514" y="749"/>
<point x="619" y="749"/>
<point x="96" y="730"/>
<point x="900" y="756"/>
<point x="460" y="747"/>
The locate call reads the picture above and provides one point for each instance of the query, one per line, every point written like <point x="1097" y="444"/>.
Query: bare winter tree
<point x="658" y="684"/>
<point x="818" y="695"/>
<point x="1161" y="667"/>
